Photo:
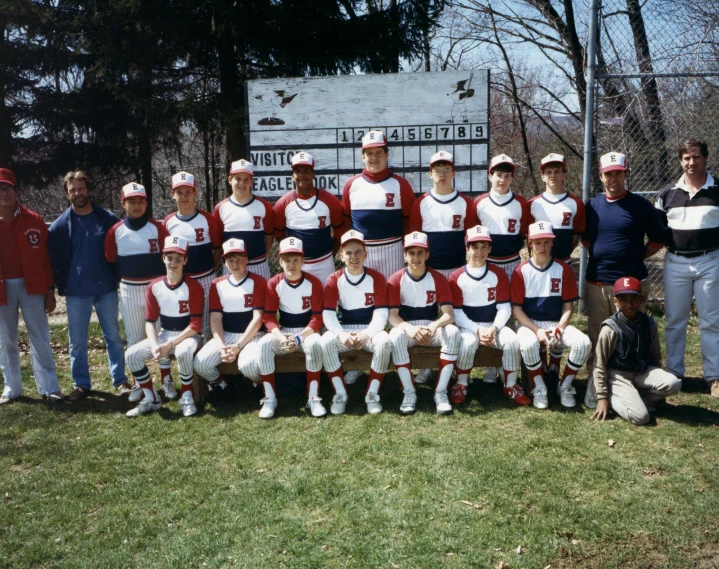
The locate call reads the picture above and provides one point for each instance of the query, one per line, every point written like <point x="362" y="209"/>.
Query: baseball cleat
<point x="351" y="377"/>
<point x="540" y="397"/>
<point x="516" y="394"/>
<point x="339" y="402"/>
<point x="188" y="404"/>
<point x="136" y="394"/>
<point x="168" y="387"/>
<point x="268" y="408"/>
<point x="458" y="394"/>
<point x="316" y="408"/>
<point x="423" y="376"/>
<point x="566" y="395"/>
<point x="409" y="402"/>
<point x="145" y="406"/>
<point x="590" y="397"/>
<point x="442" y="402"/>
<point x="490" y="375"/>
<point x="374" y="407"/>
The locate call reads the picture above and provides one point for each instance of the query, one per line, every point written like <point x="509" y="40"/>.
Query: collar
<point x="444" y="198"/>
<point x="682" y="186"/>
<point x="554" y="198"/>
<point x="385" y="174"/>
<point x="612" y="200"/>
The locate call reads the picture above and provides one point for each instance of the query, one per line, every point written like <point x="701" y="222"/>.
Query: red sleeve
<point x="152" y="308"/>
<point x="272" y="304"/>
<point x="394" y="298"/>
<point x="406" y="195"/>
<point x="524" y="222"/>
<point x="215" y="303"/>
<point x="218" y="218"/>
<point x="569" y="284"/>
<point x="457" y="297"/>
<point x="215" y="231"/>
<point x="332" y="293"/>
<point x="580" y="220"/>
<point x="197" y="302"/>
<point x="503" y="293"/>
<point x="470" y="219"/>
<point x="111" y="244"/>
<point x="316" y="322"/>
<point x="337" y="216"/>
<point x="280" y="223"/>
<point x="269" y="221"/>
<point x="380" y="288"/>
<point x="415" y="216"/>
<point x="162" y="233"/>
<point x="516" y="287"/>
<point x="444" y="294"/>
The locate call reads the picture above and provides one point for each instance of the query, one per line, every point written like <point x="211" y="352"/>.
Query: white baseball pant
<point x="208" y="358"/>
<point x="322" y="268"/>
<point x="132" y="311"/>
<point x="447" y="338"/>
<point x="379" y="346"/>
<point x="574" y="340"/>
<point x="269" y="346"/>
<point x="184" y="353"/>
<point x="506" y="340"/>
<point x="387" y="259"/>
<point x="205" y="283"/>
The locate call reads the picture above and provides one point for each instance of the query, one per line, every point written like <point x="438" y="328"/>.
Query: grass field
<point x="491" y="486"/>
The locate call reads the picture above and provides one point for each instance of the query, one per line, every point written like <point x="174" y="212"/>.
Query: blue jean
<point x="79" y="311"/>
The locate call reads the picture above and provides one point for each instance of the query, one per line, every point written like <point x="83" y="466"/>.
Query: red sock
<point x="535" y="377"/>
<point x="186" y="387"/>
<point x="269" y="379"/>
<point x="165" y="374"/>
<point x="569" y="373"/>
<point x="555" y="361"/>
<point x="314" y="376"/>
<point x="373" y="375"/>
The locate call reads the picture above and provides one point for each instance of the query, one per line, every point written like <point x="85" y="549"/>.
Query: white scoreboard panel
<point x="420" y="114"/>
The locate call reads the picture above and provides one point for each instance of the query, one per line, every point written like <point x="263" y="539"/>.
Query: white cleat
<point x="540" y="400"/>
<point x="339" y="402"/>
<point x="316" y="407"/>
<point x="590" y="398"/>
<point x="188" y="404"/>
<point x="268" y="407"/>
<point x="566" y="396"/>
<point x="442" y="401"/>
<point x="136" y="394"/>
<point x="423" y="376"/>
<point x="145" y="406"/>
<point x="168" y="387"/>
<point x="374" y="407"/>
<point x="490" y="375"/>
<point x="351" y="377"/>
<point x="409" y="402"/>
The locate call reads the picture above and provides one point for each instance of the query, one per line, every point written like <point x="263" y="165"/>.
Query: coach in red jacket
<point x="26" y="283"/>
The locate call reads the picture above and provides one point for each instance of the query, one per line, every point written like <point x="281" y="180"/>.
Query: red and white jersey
<point x="249" y="222"/>
<point x="478" y="295"/>
<point x="177" y="306"/>
<point x="566" y="214"/>
<point x="312" y="220"/>
<point x="237" y="300"/>
<point x="138" y="251"/>
<point x="355" y="302"/>
<point x="203" y="233"/>
<point x="507" y="218"/>
<point x="541" y="292"/>
<point x="299" y="303"/>
<point x="418" y="300"/>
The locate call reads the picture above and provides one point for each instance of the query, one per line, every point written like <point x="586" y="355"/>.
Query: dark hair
<point x="74" y="175"/>
<point x="503" y="167"/>
<point x="385" y="148"/>
<point x="686" y="147"/>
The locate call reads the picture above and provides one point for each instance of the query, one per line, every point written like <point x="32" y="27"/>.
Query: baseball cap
<point x="416" y="239"/>
<point x="291" y="245"/>
<point x="627" y="285"/>
<point x="183" y="179"/>
<point x="303" y="159"/>
<point x="233" y="246"/>
<point x="541" y="230"/>
<point x="133" y="189"/>
<point x="7" y="176"/>
<point x="373" y="138"/>
<point x="553" y="159"/>
<point x="478" y="233"/>
<point x="612" y="161"/>
<point x="242" y="166"/>
<point x="502" y="159"/>
<point x="441" y="156"/>
<point x="352" y="235"/>
<point x="176" y="244"/>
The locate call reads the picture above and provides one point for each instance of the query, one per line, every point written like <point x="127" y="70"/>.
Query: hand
<point x="425" y="336"/>
<point x="602" y="410"/>
<point x="155" y="349"/>
<point x="227" y="354"/>
<point x="346" y="339"/>
<point x="557" y="333"/>
<point x="164" y="349"/>
<point x="50" y="301"/>
<point x="542" y="336"/>
<point x="289" y="345"/>
<point x="487" y="336"/>
<point x="361" y="340"/>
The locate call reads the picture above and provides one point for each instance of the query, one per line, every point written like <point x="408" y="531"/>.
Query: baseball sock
<point x="375" y="381"/>
<point x="444" y="375"/>
<point x="268" y="382"/>
<point x="338" y="381"/>
<point x="405" y="376"/>
<point x="510" y="377"/>
<point x="463" y="376"/>
<point x="555" y="360"/>
<point x="570" y="371"/>
<point x="535" y="375"/>
<point x="186" y="385"/>
<point x="144" y="381"/>
<point x="313" y="384"/>
<point x="166" y="373"/>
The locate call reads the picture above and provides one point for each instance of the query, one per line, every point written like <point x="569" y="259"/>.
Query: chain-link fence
<point x="657" y="84"/>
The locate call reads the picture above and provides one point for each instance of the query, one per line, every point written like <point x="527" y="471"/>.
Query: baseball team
<point x="439" y="270"/>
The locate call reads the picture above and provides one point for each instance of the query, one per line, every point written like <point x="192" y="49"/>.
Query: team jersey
<point x="378" y="205"/>
<point x="313" y="220"/>
<point x="506" y="216"/>
<point x="478" y="297"/>
<point x="566" y="214"/>
<point x="418" y="300"/>
<point x="177" y="306"/>
<point x="249" y="222"/>
<point x="356" y="302"/>
<point x="444" y="219"/>
<point x="299" y="303"/>
<point x="541" y="292"/>
<point x="237" y="300"/>
<point x="204" y="235"/>
<point x="136" y="247"/>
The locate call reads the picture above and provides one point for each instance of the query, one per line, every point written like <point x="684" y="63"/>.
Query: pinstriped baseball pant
<point x="386" y="259"/>
<point x="132" y="311"/>
<point x="208" y="358"/>
<point x="320" y="269"/>
<point x="184" y="352"/>
<point x="506" y="340"/>
<point x="269" y="346"/>
<point x="379" y="346"/>
<point x="447" y="338"/>
<point x="574" y="340"/>
<point x="205" y="283"/>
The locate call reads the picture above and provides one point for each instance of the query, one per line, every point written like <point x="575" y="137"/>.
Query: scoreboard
<point x="420" y="113"/>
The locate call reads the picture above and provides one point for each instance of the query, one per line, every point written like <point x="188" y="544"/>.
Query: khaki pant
<point x="624" y="396"/>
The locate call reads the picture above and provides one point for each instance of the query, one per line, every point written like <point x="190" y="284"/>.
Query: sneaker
<point x="316" y="407"/>
<point x="339" y="402"/>
<point x="374" y="407"/>
<point x="490" y="375"/>
<point x="188" y="404"/>
<point x="168" y="387"/>
<point x="409" y="403"/>
<point x="145" y="406"/>
<point x="268" y="407"/>
<point x="351" y="377"/>
<point x="516" y="394"/>
<point x="590" y="397"/>
<point x="442" y="402"/>
<point x="458" y="394"/>
<point x="540" y="397"/>
<point x="54" y="397"/>
<point x="423" y="376"/>
<point x="566" y="396"/>
<point x="6" y="399"/>
<point x="123" y="389"/>
<point x="714" y="388"/>
<point x="136" y="394"/>
<point x="78" y="393"/>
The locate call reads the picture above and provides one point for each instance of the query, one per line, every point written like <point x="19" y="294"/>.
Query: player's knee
<point x="638" y="417"/>
<point x="397" y="336"/>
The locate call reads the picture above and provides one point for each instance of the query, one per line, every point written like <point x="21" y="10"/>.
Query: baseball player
<point x="201" y="231"/>
<point x="355" y="314"/>
<point x="297" y="296"/>
<point x="248" y="217"/>
<point x="480" y="295"/>
<point x="557" y="206"/>
<point x="237" y="304"/>
<point x="543" y="291"/>
<point x="177" y="302"/>
<point x="377" y="203"/>
<point x="312" y="215"/>
<point x="416" y="295"/>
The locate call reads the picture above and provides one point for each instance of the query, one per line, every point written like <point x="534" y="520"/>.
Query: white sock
<point x="405" y="377"/>
<point x="444" y="377"/>
<point x="269" y="392"/>
<point x="338" y="385"/>
<point x="374" y="386"/>
<point x="314" y="388"/>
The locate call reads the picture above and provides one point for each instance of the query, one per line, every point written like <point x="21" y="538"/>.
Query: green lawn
<point x="83" y="486"/>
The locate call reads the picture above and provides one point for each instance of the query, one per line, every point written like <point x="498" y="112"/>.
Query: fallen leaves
<point x="611" y="443"/>
<point x="654" y="472"/>
<point x="477" y="507"/>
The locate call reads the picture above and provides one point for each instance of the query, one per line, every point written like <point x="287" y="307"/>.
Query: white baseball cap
<point x="553" y="159"/>
<point x="373" y="138"/>
<point x="441" y="156"/>
<point x="183" y="179"/>
<point x="303" y="159"/>
<point x="291" y="245"/>
<point x="242" y="166"/>
<point x="132" y="190"/>
<point x="416" y="239"/>
<point x="541" y="230"/>
<point x="233" y="246"/>
<point x="612" y="161"/>
<point x="478" y="233"/>
<point x="176" y="244"/>
<point x="502" y="159"/>
<point x="352" y="235"/>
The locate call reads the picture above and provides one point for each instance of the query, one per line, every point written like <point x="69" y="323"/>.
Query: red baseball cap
<point x="7" y="177"/>
<point x="612" y="161"/>
<point x="627" y="285"/>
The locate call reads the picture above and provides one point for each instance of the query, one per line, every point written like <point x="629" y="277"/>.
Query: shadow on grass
<point x="689" y="415"/>
<point x="694" y="385"/>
